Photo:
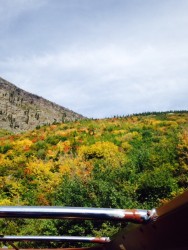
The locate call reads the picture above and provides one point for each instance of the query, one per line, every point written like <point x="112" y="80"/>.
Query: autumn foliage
<point x="136" y="161"/>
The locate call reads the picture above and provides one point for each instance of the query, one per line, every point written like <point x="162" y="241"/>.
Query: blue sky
<point x="99" y="58"/>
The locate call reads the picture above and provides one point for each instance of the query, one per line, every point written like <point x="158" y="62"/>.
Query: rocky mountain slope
<point x="21" y="110"/>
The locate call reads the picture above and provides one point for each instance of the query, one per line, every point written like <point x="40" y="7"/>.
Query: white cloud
<point x="11" y="9"/>
<point x="119" y="67"/>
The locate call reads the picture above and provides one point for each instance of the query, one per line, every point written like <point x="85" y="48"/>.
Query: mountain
<point x="22" y="111"/>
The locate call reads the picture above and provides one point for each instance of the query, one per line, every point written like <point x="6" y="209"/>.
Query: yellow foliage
<point x="61" y="133"/>
<point x="13" y="187"/>
<point x="51" y="153"/>
<point x="155" y="123"/>
<point x="75" y="166"/>
<point x="23" y="144"/>
<point x="5" y="202"/>
<point x="172" y="124"/>
<point x="64" y="146"/>
<point x="66" y="132"/>
<point x="4" y="161"/>
<point x="126" y="146"/>
<point x="39" y="168"/>
<point x="65" y="167"/>
<point x="19" y="160"/>
<point x="181" y="121"/>
<point x="130" y="136"/>
<point x="107" y="151"/>
<point x="183" y="147"/>
<point x="43" y="172"/>
<point x="119" y="132"/>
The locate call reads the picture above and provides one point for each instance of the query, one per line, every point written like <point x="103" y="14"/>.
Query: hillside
<point x="140" y="161"/>
<point x="22" y="111"/>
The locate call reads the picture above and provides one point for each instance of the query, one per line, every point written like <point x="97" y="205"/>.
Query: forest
<point x="136" y="161"/>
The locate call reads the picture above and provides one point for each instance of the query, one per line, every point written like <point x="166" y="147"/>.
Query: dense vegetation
<point x="140" y="161"/>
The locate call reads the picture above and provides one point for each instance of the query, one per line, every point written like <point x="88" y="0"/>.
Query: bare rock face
<point x="22" y="111"/>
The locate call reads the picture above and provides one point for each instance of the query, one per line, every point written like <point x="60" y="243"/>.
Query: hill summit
<point x="22" y="111"/>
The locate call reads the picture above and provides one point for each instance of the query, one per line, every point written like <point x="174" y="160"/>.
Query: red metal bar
<point x="168" y="232"/>
<point x="12" y="238"/>
<point x="132" y="215"/>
